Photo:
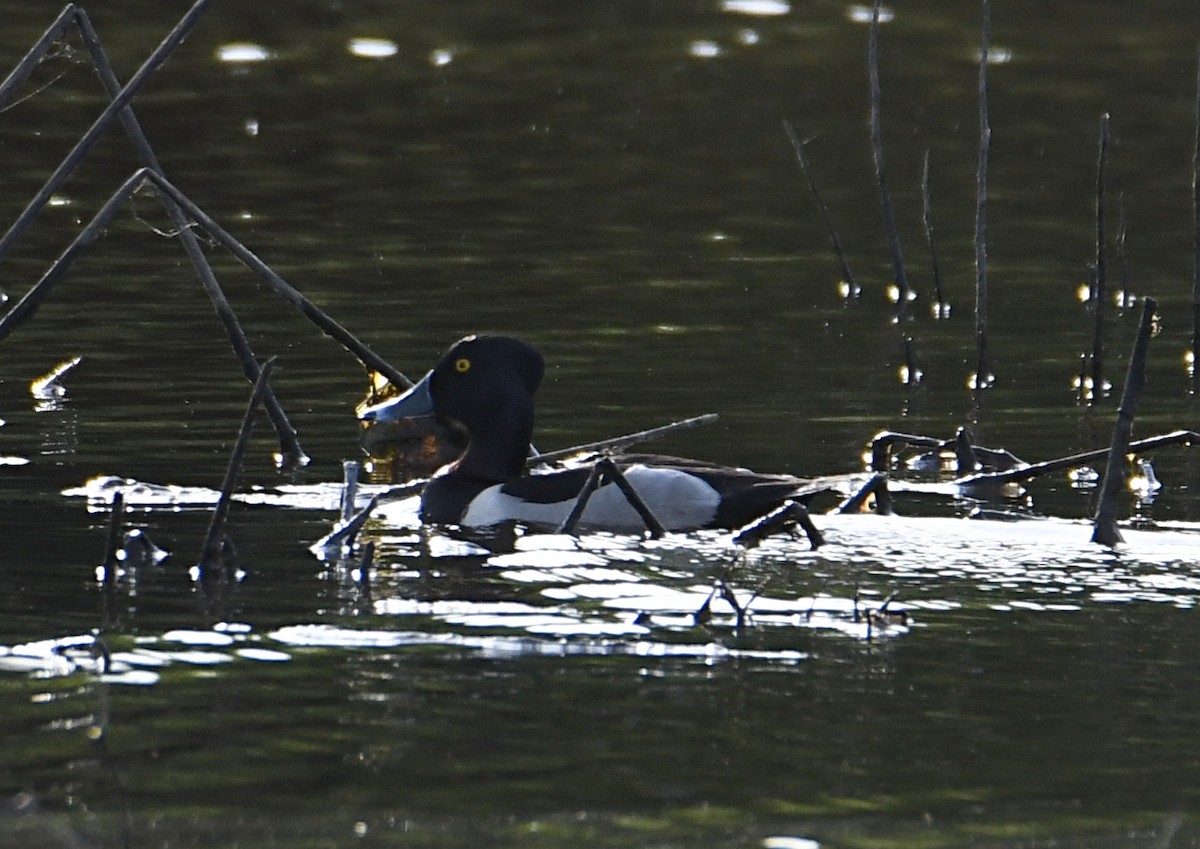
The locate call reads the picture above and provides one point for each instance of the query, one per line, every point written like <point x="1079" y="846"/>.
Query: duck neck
<point x="497" y="450"/>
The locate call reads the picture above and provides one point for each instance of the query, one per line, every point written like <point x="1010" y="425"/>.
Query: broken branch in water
<point x="1024" y="473"/>
<point x="1105" y="531"/>
<point x="785" y="517"/>
<point x="215" y="542"/>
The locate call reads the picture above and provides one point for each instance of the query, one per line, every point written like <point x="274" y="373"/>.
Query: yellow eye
<point x="462" y="365"/>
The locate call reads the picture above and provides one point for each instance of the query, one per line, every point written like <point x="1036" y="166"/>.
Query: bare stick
<point x="113" y="542"/>
<point x="32" y="299"/>
<point x="282" y="288"/>
<point x="784" y="517"/>
<point x="885" y="196"/>
<point x="36" y="54"/>
<point x="365" y="564"/>
<point x="214" y="541"/>
<point x="881" y="446"/>
<point x="350" y="470"/>
<point x="1033" y="470"/>
<point x="801" y="157"/>
<point x="291" y="455"/>
<point x="1105" y="529"/>
<point x="1100" y="288"/>
<point x="631" y="495"/>
<point x="940" y="307"/>
<point x="621" y="442"/>
<point x="982" y="377"/>
<point x="876" y="485"/>
<point x="344" y="532"/>
<point x="106" y="118"/>
<point x="581" y="501"/>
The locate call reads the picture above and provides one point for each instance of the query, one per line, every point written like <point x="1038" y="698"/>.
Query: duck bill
<point x="416" y="402"/>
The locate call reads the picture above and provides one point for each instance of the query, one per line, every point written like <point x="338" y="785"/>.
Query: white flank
<point x="678" y="500"/>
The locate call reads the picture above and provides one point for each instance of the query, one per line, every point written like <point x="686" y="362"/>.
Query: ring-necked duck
<point x="487" y="384"/>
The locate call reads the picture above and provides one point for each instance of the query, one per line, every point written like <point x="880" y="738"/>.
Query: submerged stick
<point x="1105" y="529"/>
<point x="106" y="118"/>
<point x="1100" y="286"/>
<point x="621" y="442"/>
<point x="982" y="376"/>
<point x="852" y="288"/>
<point x="215" y="541"/>
<point x="885" y="196"/>
<point x="940" y="308"/>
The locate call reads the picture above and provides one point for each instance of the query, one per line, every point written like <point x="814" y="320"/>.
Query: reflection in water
<point x="242" y="52"/>
<point x="372" y="48"/>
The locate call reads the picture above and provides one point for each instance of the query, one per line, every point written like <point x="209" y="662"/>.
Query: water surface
<point x="613" y="183"/>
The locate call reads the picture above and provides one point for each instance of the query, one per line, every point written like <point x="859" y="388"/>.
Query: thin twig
<point x="940" y="308"/>
<point x="852" y="288"/>
<point x="621" y="442"/>
<point x="982" y="376"/>
<point x="885" y="196"/>
<point x="35" y="54"/>
<point x="1100" y="286"/>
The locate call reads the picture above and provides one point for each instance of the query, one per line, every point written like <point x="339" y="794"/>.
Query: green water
<point x="589" y="177"/>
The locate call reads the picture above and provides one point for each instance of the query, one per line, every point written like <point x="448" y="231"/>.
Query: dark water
<point x="590" y="177"/>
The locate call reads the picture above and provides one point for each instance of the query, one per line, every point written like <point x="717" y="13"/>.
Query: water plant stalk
<point x="1105" y="529"/>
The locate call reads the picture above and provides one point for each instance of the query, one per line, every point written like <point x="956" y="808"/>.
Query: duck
<point x="486" y="384"/>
